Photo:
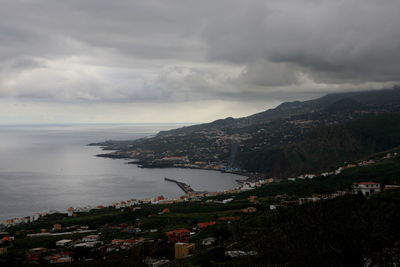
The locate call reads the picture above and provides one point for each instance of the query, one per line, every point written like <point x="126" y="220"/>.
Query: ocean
<point x="50" y="167"/>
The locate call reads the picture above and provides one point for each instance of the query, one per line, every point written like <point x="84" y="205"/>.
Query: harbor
<point x="185" y="187"/>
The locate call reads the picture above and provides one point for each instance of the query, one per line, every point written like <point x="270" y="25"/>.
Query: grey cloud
<point x="185" y="49"/>
<point x="266" y="73"/>
<point x="333" y="41"/>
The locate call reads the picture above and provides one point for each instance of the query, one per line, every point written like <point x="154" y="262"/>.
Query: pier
<point x="185" y="187"/>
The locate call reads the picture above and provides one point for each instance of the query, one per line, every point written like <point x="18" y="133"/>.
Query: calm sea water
<point x="50" y="167"/>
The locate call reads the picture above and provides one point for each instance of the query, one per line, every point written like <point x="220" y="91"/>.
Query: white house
<point x="63" y="242"/>
<point x="367" y="188"/>
<point x="273" y="207"/>
<point x="90" y="238"/>
<point x="227" y="200"/>
<point x="91" y="244"/>
<point x="70" y="211"/>
<point x="208" y="241"/>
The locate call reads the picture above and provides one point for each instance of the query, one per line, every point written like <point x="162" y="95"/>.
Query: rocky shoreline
<point x="250" y="177"/>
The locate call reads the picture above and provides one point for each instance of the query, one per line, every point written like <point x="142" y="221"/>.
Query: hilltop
<point x="366" y="101"/>
<point x="293" y="138"/>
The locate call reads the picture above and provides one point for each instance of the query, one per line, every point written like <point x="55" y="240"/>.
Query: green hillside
<point x="327" y="146"/>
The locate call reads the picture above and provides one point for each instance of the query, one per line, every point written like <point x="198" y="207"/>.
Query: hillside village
<point x="280" y="136"/>
<point x="143" y="229"/>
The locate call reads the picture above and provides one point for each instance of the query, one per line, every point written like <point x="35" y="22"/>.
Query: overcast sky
<point x="187" y="60"/>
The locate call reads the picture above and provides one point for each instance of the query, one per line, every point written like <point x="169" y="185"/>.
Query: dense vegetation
<point x="348" y="231"/>
<point x="326" y="147"/>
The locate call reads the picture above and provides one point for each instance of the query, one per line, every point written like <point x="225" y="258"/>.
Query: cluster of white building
<point x="27" y="219"/>
<point x="73" y="210"/>
<point x="340" y="169"/>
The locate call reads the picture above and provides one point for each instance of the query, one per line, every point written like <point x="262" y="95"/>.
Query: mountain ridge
<point x="293" y="138"/>
<point x="286" y="109"/>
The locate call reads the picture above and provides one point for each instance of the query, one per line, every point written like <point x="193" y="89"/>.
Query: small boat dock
<point x="185" y="187"/>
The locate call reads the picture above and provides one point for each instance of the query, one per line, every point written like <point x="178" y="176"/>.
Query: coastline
<point x="245" y="174"/>
<point x="160" y="199"/>
<point x="165" y="164"/>
<point x="35" y="215"/>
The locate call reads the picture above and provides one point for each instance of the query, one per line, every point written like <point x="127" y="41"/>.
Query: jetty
<point x="185" y="187"/>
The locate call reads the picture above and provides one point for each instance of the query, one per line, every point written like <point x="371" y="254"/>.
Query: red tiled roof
<point x="205" y="224"/>
<point x="178" y="231"/>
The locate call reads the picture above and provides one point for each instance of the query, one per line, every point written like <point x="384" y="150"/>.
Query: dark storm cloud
<point x="332" y="41"/>
<point x="98" y="50"/>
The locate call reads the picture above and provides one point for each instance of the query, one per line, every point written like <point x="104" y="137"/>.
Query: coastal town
<point x="237" y="145"/>
<point x="145" y="229"/>
<point x="245" y="185"/>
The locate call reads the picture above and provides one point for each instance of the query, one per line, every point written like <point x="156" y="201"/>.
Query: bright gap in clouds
<point x="22" y="112"/>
